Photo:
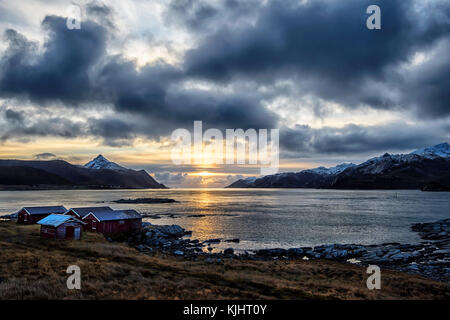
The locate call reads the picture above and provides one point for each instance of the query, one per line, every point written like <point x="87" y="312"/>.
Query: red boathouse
<point x="113" y="221"/>
<point x="80" y="213"/>
<point x="31" y="215"/>
<point x="59" y="226"/>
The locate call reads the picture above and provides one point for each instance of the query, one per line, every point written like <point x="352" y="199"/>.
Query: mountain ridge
<point x="100" y="162"/>
<point x="60" y="174"/>
<point x="419" y="169"/>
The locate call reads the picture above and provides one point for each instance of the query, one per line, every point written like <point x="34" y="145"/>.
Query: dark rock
<point x="212" y="241"/>
<point x="146" y="200"/>
<point x="228" y="251"/>
<point x="296" y="252"/>
<point x="173" y="230"/>
<point x="438" y="230"/>
<point x="272" y="252"/>
<point x="233" y="240"/>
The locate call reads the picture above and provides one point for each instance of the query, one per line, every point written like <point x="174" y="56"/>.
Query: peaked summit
<point x="100" y="162"/>
<point x="100" y="173"/>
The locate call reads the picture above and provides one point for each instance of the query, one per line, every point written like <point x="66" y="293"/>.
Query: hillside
<point x="416" y="170"/>
<point x="30" y="266"/>
<point x="62" y="174"/>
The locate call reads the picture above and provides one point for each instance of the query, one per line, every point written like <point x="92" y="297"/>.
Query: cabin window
<point x="94" y="225"/>
<point x="25" y="217"/>
<point x="121" y="222"/>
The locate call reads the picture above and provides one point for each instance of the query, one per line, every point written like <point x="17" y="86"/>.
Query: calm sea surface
<point x="267" y="218"/>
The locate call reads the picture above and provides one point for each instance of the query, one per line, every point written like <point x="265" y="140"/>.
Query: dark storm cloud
<point x="62" y="72"/>
<point x="51" y="126"/>
<point x="171" y="178"/>
<point x="326" y="47"/>
<point x="74" y="69"/>
<point x="98" y="9"/>
<point x="219" y="110"/>
<point x="201" y="15"/>
<point x="45" y="156"/>
<point x="14" y="116"/>
<point x="304" y="140"/>
<point x="115" y="132"/>
<point x="321" y="46"/>
<point x="192" y="13"/>
<point x="113" y="128"/>
<point x="428" y="87"/>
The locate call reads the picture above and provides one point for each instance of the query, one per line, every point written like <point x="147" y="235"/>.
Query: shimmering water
<point x="268" y="218"/>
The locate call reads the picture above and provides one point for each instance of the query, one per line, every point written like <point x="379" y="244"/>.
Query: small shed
<point x="59" y="226"/>
<point x="31" y="215"/>
<point x="113" y="221"/>
<point x="80" y="213"/>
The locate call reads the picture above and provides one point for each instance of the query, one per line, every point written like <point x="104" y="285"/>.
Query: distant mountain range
<point x="427" y="169"/>
<point x="58" y="174"/>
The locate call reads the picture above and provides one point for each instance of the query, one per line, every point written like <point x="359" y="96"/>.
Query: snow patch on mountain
<point x="251" y="179"/>
<point x="380" y="164"/>
<point x="100" y="162"/>
<point x="332" y="170"/>
<point x="440" y="150"/>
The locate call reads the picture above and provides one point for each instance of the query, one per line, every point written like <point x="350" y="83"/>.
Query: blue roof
<point x="45" y="210"/>
<point x="56" y="220"/>
<point x="116" y="215"/>
<point x="86" y="210"/>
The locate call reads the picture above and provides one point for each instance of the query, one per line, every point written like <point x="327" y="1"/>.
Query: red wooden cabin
<point x="31" y="215"/>
<point x="113" y="221"/>
<point x="59" y="226"/>
<point x="80" y="213"/>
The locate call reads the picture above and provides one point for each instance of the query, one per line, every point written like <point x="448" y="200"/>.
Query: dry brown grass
<point x="33" y="268"/>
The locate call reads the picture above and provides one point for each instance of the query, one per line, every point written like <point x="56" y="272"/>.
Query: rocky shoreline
<point x="430" y="258"/>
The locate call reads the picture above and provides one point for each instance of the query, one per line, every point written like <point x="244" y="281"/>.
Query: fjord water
<point x="267" y="218"/>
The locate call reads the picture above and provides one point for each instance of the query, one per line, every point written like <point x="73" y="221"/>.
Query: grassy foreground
<point x="33" y="268"/>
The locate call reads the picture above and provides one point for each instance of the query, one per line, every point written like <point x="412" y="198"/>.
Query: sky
<point x="138" y="70"/>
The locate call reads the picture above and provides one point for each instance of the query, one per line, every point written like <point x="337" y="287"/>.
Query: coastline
<point x="430" y="258"/>
<point x="34" y="268"/>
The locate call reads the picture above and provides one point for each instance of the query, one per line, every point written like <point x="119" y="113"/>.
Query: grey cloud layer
<point x="75" y="70"/>
<point x="302" y="140"/>
<point x="321" y="45"/>
<point x="326" y="47"/>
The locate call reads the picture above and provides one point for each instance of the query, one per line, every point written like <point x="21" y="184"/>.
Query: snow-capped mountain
<point x="380" y="164"/>
<point x="59" y="174"/>
<point x="100" y="162"/>
<point x="415" y="170"/>
<point x="440" y="150"/>
<point x="332" y="170"/>
<point x="310" y="178"/>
